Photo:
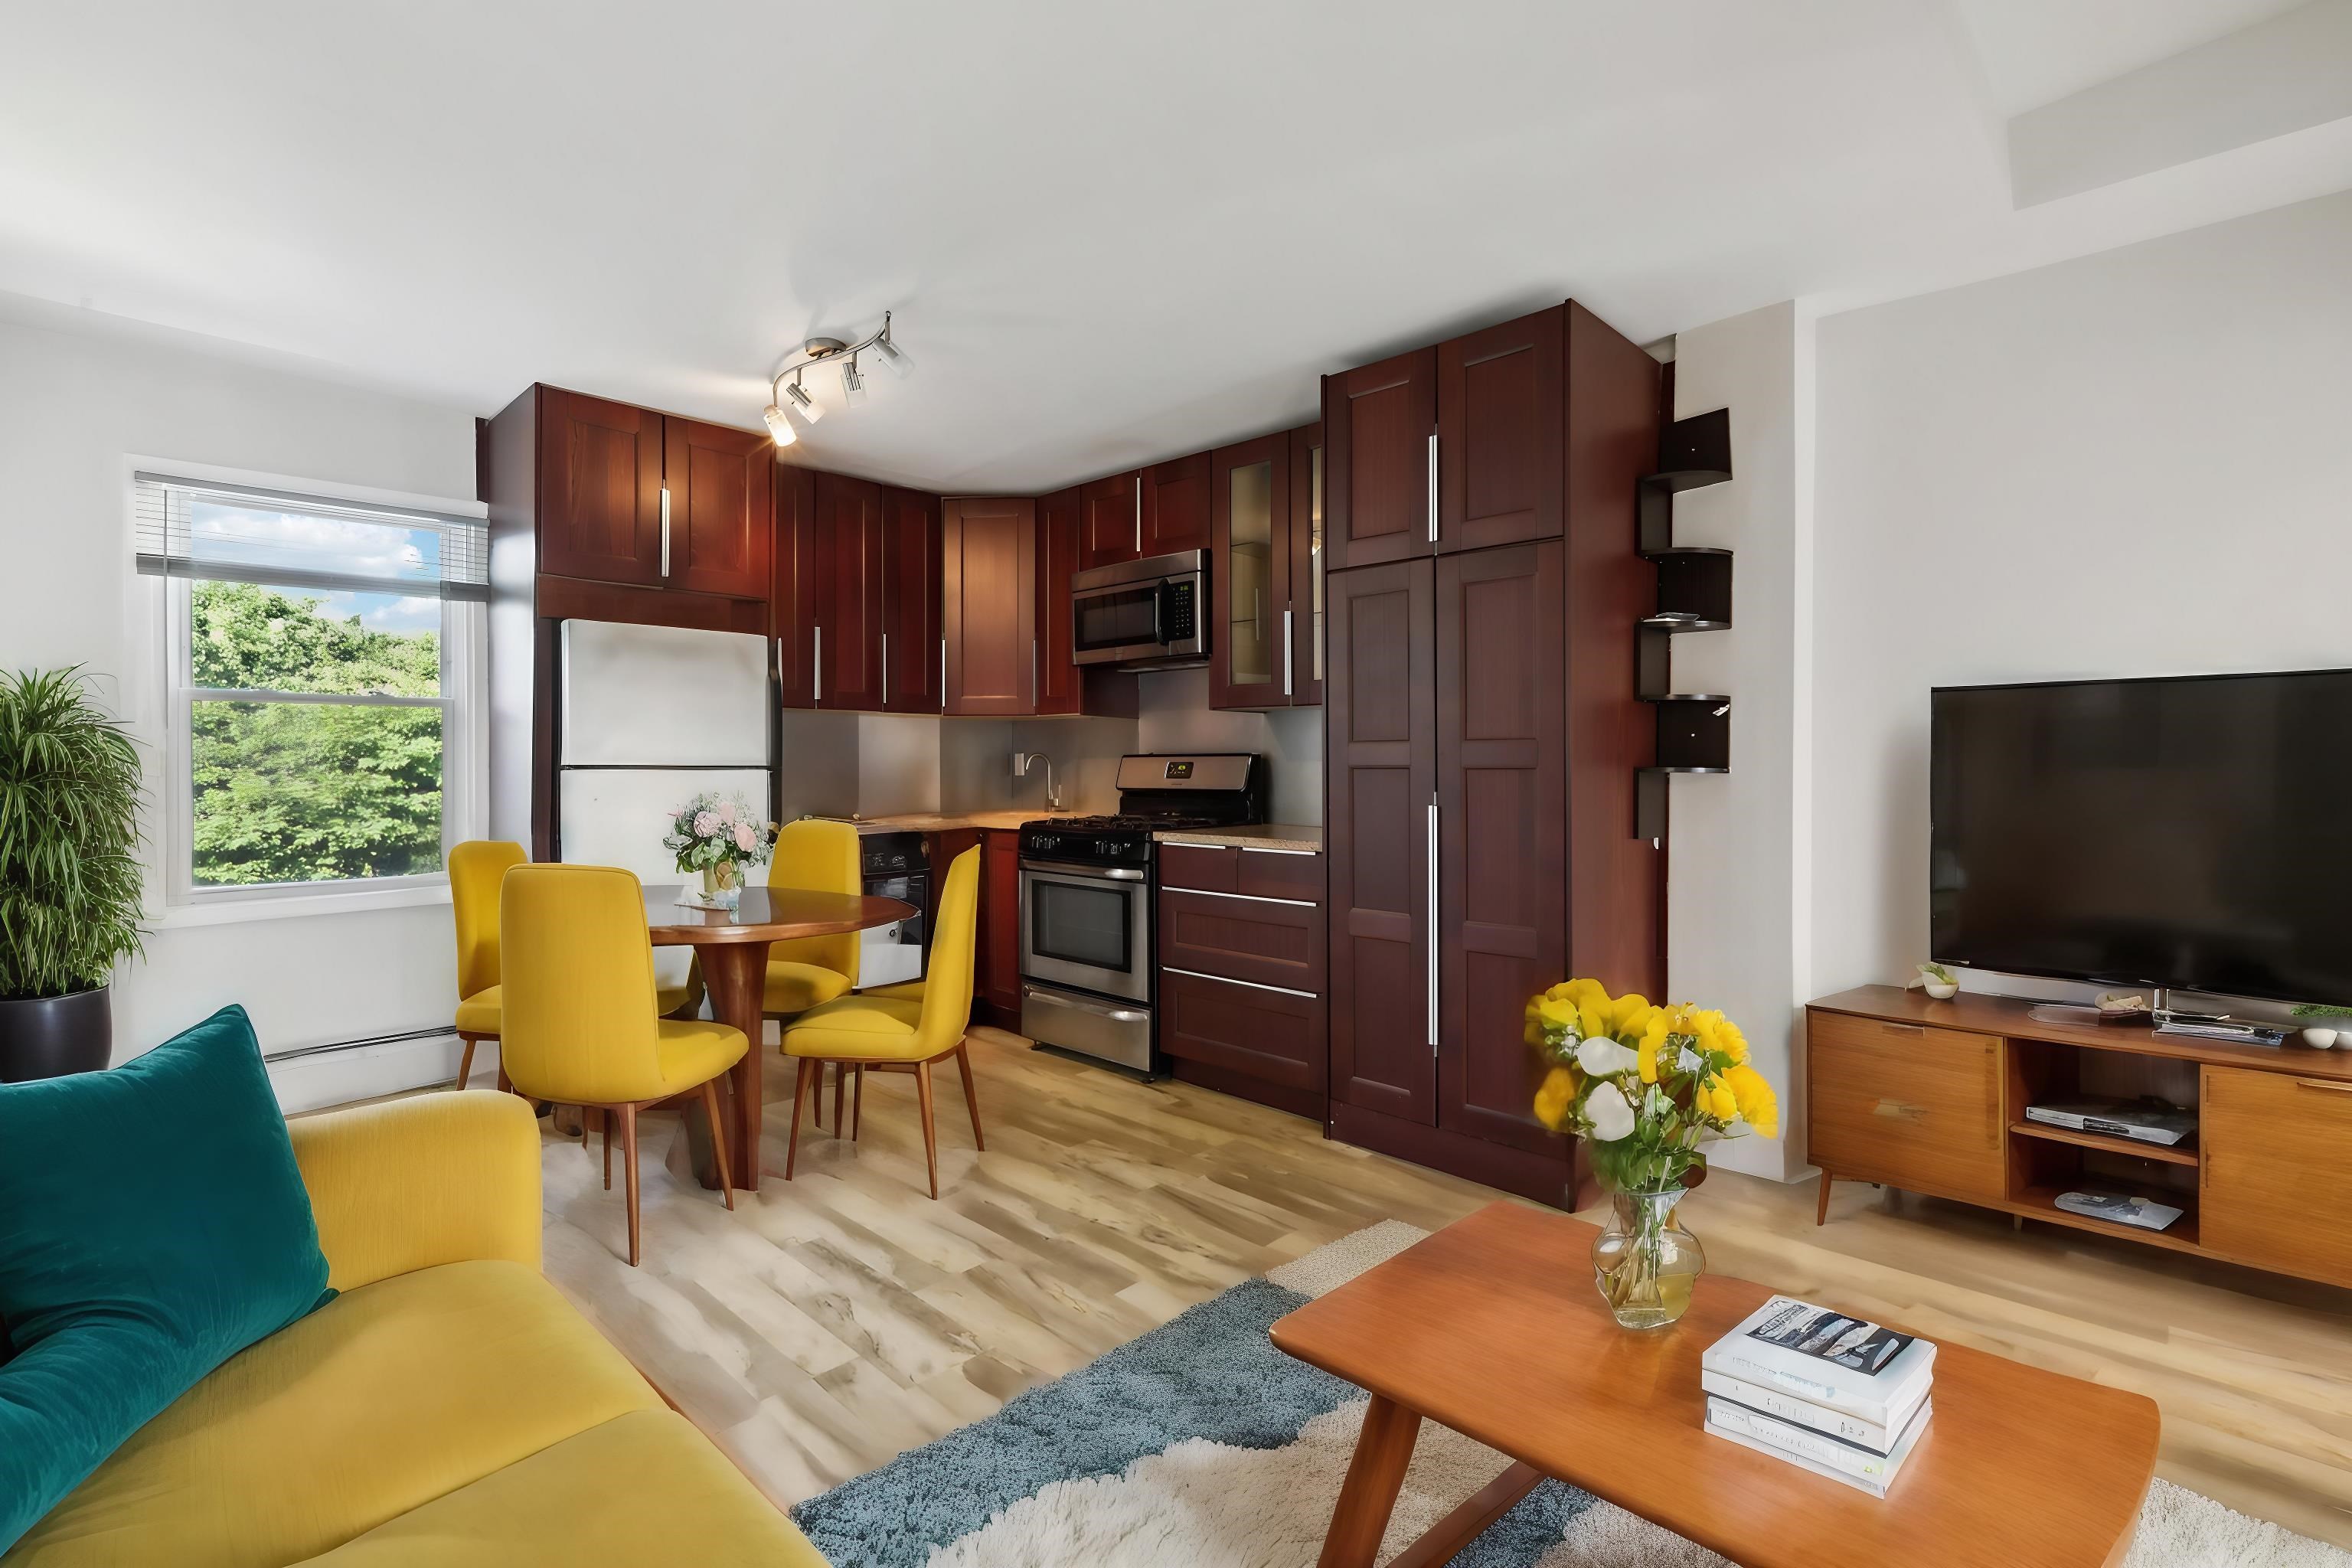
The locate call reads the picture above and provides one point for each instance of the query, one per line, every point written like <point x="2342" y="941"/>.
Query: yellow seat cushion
<point x="899" y="991"/>
<point x="645" y="1487"/>
<point x="696" y="1050"/>
<point x="386" y="1398"/>
<point x="862" y="1027"/>
<point x="797" y="987"/>
<point x="478" y="1014"/>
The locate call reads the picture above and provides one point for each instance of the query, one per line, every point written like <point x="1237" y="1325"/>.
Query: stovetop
<point x="1159" y="791"/>
<point x="1124" y="822"/>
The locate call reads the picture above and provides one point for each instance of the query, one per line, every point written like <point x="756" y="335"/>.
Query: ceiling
<point x="1111" y="233"/>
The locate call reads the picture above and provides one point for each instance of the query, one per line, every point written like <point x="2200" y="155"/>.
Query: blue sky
<point x="258" y="536"/>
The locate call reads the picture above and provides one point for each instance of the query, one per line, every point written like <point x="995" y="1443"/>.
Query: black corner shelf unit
<point x="1694" y="595"/>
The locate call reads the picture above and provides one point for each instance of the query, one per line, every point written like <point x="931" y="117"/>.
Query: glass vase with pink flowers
<point x="718" y="835"/>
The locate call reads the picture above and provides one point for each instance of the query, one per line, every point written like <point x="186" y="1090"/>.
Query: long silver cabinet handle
<point x="1285" y="652"/>
<point x="1245" y="897"/>
<point x="1433" y="487"/>
<point x="1432" y="926"/>
<point x="885" y="669"/>
<point x="816" y="664"/>
<point x="1033" y="672"/>
<point x="665" y="561"/>
<point x="1138" y="514"/>
<point x="1229" y="980"/>
<point x="943" y="675"/>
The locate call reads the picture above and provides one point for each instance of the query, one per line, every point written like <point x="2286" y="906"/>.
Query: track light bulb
<point x="802" y="404"/>
<point x="780" y="427"/>
<point x="853" y="385"/>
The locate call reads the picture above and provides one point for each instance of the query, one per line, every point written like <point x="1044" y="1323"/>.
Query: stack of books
<point x="1839" y="1396"/>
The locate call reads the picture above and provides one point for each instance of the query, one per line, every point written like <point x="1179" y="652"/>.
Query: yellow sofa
<point x="449" y="1407"/>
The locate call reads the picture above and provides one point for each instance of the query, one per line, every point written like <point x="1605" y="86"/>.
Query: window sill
<point x="298" y="906"/>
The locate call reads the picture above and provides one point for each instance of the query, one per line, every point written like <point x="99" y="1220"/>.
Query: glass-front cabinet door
<point x="1307" y="566"/>
<point x="1251" y="652"/>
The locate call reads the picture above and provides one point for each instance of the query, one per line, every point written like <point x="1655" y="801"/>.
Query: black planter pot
<point x="49" y="1036"/>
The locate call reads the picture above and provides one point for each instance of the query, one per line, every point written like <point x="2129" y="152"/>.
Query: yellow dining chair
<point x="477" y="866"/>
<point x="821" y="857"/>
<point x="583" y="1021"/>
<point x="890" y="1034"/>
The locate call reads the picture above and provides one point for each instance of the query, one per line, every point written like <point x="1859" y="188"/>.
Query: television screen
<point x="2194" y="833"/>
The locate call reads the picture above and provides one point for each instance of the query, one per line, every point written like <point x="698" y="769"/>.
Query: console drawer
<point x="2276" y="1183"/>
<point x="1912" y="1107"/>
<point x="1214" y="866"/>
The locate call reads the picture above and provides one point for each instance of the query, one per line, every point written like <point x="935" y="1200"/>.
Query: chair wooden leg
<point x="840" y="1091"/>
<point x="718" y="1139"/>
<point x="931" y="1127"/>
<point x="506" y="1084"/>
<point x="465" y="1060"/>
<point x="800" y="1092"/>
<point x="608" y="1154"/>
<point x="970" y="1099"/>
<point x="856" y="1104"/>
<point x="629" y="1172"/>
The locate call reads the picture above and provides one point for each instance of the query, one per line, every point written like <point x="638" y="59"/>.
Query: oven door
<point x="1087" y="927"/>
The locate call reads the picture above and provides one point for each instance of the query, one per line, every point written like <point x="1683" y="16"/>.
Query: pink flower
<point x="705" y="824"/>
<point x="744" y="837"/>
<point x="726" y="811"/>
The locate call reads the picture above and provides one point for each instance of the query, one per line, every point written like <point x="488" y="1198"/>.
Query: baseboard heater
<point x="273" y="1058"/>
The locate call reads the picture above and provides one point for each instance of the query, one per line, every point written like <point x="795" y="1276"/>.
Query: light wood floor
<point x="836" y="1320"/>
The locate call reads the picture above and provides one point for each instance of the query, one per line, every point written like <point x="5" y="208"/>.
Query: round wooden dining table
<point x="733" y="947"/>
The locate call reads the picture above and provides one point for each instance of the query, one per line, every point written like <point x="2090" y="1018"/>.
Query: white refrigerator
<point x="648" y="717"/>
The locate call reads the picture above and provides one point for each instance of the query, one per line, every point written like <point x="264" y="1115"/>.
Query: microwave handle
<point x="1158" y="608"/>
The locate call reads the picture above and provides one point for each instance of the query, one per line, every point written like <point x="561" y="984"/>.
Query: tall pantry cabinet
<point x="1481" y="729"/>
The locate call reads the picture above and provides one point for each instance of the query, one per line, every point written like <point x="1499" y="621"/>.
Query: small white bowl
<point x="2320" y="1038"/>
<point x="1941" y="990"/>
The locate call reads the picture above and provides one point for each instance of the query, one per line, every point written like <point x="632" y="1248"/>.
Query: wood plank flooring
<point x="834" y="1320"/>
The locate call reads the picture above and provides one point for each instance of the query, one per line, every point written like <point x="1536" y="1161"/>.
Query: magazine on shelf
<point x="1875" y="1485"/>
<point x="1849" y="1363"/>
<point x="1876" y="1436"/>
<point x="2144" y="1213"/>
<point x="2148" y="1121"/>
<point x="1726" y="1416"/>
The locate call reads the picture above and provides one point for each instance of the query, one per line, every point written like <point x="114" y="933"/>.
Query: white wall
<point x="2132" y="464"/>
<point x="1737" y="862"/>
<point x="73" y="405"/>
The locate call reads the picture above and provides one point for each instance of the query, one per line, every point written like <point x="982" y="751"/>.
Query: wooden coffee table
<point x="1493" y="1326"/>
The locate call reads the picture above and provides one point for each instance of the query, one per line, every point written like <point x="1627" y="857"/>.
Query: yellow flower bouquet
<point x="1645" y="1086"/>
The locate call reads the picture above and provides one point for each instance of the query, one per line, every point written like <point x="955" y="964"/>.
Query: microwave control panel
<point x="1181" y="611"/>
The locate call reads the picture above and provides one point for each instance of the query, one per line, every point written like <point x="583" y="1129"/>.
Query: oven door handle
<point x="1116" y="1014"/>
<point x="1092" y="873"/>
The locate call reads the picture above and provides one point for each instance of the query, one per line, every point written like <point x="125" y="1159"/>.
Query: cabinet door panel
<point x="1256" y="940"/>
<point x="1111" y="520"/>
<point x="1058" y="527"/>
<point x="1502" y="426"/>
<point x="721" y="485"/>
<point x="1270" y="1036"/>
<point x="600" y="467"/>
<point x="911" y="562"/>
<point x="989" y="614"/>
<point x="1176" y="505"/>
<point x="1307" y="565"/>
<point x="1914" y="1108"/>
<point x="1000" y="912"/>
<point x="2276" y="1188"/>
<point x="1377" y="422"/>
<point x="1249" y="573"/>
<point x="1502" y="835"/>
<point x="849" y="573"/>
<point x="792" y="604"/>
<point x="1379" y="779"/>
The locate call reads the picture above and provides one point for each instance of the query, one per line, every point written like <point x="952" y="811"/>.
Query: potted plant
<point x="1644" y="1086"/>
<point x="2329" y="1024"/>
<point x="69" y="873"/>
<point x="718" y="835"/>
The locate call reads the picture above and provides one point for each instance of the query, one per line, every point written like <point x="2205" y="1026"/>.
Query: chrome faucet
<point x="1024" y="760"/>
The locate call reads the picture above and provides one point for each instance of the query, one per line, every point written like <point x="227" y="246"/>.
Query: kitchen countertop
<point x="948" y="821"/>
<point x="1250" y="835"/>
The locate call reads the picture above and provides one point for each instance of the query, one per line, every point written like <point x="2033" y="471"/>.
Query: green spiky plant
<point x="69" y="871"/>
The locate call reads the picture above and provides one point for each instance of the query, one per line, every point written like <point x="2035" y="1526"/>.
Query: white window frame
<point x="464" y="703"/>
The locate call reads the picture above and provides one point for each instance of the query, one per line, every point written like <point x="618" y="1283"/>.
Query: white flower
<point x="1690" y="1060"/>
<point x="1610" y="1117"/>
<point x="1602" y="1057"/>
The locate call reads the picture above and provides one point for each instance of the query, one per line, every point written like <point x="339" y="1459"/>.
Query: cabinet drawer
<point x="1242" y="939"/>
<point x="1216" y="868"/>
<point x="1273" y="1036"/>
<point x="1913" y="1107"/>
<point x="1281" y="874"/>
<point x="2276" y="1182"/>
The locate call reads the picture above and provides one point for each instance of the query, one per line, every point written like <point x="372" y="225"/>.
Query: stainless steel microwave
<point x="1147" y="614"/>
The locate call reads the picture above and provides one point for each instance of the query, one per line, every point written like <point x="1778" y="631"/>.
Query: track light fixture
<point x="789" y="399"/>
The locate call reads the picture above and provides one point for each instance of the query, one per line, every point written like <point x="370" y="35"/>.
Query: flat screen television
<point x="2194" y="833"/>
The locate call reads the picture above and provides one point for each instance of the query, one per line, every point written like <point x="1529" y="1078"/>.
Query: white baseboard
<point x="370" y="1072"/>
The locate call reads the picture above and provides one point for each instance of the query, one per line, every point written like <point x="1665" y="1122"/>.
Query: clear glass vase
<point x="1643" y="1262"/>
<point x="719" y="883"/>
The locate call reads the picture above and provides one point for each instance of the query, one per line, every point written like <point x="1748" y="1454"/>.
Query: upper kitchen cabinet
<point x="1267" y="571"/>
<point x="794" y="591"/>
<point x="988" y="604"/>
<point x="1146" y="511"/>
<point x="1060" y="685"/>
<point x="1110" y="520"/>
<point x="720" y="489"/>
<point x="847" y="637"/>
<point x="1454" y="448"/>
<point x="914" y="655"/>
<point x="600" y="489"/>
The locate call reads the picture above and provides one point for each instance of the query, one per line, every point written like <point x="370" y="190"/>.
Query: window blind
<point x="201" y="528"/>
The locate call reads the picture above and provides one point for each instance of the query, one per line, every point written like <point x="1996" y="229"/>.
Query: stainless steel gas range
<point x="1087" y="887"/>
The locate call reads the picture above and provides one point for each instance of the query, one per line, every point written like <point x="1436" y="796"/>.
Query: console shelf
<point x="2128" y="1148"/>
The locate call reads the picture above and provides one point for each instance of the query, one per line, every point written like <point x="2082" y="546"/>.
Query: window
<point x="325" y="663"/>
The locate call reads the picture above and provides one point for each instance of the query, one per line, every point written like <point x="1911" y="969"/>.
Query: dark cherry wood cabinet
<point x="1060" y="685"/>
<point x="1482" y="731"/>
<point x="849" y="547"/>
<point x="1243" y="957"/>
<point x="988" y="604"/>
<point x="599" y="512"/>
<point x="914" y="664"/>
<point x="1307" y="566"/>
<point x="998" y="977"/>
<point x="795" y="590"/>
<point x="1110" y="514"/>
<point x="1176" y="505"/>
<point x="1379" y="796"/>
<point x="720" y="484"/>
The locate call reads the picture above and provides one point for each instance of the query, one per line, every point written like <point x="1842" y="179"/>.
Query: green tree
<point x="307" y="792"/>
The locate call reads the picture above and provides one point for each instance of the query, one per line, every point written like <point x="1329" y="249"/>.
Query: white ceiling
<point x="1112" y="232"/>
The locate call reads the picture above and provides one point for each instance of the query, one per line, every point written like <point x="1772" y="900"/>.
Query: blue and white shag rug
<point x="1201" y="1445"/>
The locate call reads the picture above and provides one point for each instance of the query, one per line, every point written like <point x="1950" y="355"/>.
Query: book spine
<point x="1812" y="1388"/>
<point x="1859" y="1483"/>
<point x="1790" y="1439"/>
<point x="1801" y="1412"/>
